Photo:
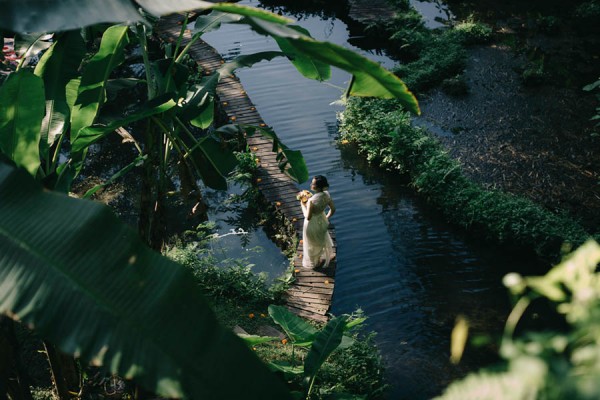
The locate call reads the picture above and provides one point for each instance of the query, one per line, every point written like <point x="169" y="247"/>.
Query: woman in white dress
<point x="316" y="240"/>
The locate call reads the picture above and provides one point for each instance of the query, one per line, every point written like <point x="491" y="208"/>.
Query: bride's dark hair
<point x="321" y="182"/>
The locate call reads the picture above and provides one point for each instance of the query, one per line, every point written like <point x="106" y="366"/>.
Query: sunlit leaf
<point x="370" y="78"/>
<point x="458" y="339"/>
<point x="213" y="21"/>
<point x="54" y="124"/>
<point x="206" y="115"/>
<point x="57" y="67"/>
<point x="252" y="340"/>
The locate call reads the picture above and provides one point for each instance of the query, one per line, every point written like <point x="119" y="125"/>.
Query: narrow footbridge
<point x="310" y="294"/>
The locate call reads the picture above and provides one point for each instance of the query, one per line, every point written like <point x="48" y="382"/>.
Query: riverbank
<point x="509" y="132"/>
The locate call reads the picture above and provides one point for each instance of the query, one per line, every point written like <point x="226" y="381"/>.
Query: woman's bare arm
<point x="331" y="209"/>
<point x="306" y="209"/>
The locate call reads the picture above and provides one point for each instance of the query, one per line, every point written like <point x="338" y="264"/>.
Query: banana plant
<point x="320" y="343"/>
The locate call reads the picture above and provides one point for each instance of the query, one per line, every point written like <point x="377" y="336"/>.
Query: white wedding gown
<point x="316" y="240"/>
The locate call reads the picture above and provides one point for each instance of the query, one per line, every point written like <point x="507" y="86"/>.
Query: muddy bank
<point x="532" y="141"/>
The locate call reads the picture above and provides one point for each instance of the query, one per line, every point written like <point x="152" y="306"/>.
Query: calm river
<point x="397" y="259"/>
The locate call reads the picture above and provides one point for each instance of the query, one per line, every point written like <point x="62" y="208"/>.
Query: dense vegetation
<point x="384" y="133"/>
<point x="87" y="283"/>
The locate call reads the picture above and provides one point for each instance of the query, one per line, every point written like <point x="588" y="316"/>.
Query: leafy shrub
<point x="383" y="132"/>
<point x="358" y="369"/>
<point x="472" y="32"/>
<point x="444" y="56"/>
<point x="587" y="16"/>
<point x="227" y="280"/>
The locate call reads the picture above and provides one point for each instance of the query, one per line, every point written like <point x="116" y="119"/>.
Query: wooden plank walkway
<point x="310" y="294"/>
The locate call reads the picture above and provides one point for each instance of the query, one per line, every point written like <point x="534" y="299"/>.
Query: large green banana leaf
<point x="62" y="15"/>
<point x="298" y="330"/>
<point x="85" y="281"/>
<point x="92" y="90"/>
<point x="291" y="162"/>
<point x="369" y="78"/>
<point x="22" y="109"/>
<point x="325" y="342"/>
<point x="213" y="160"/>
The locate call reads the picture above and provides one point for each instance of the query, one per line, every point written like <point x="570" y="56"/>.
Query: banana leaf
<point x="298" y="330"/>
<point x="213" y="160"/>
<point x="213" y="21"/>
<point x="92" y="90"/>
<point x="325" y="342"/>
<point x="85" y="281"/>
<point x="22" y="108"/>
<point x="369" y="78"/>
<point x="291" y="161"/>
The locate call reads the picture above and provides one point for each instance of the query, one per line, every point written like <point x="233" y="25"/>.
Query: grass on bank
<point x="429" y="57"/>
<point x="384" y="134"/>
<point x="241" y="299"/>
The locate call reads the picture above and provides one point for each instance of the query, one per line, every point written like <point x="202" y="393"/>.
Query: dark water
<point x="397" y="260"/>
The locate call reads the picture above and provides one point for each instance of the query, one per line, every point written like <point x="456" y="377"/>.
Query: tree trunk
<point x="152" y="224"/>
<point x="64" y="372"/>
<point x="14" y="381"/>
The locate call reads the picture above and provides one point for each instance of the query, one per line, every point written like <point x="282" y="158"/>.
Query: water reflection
<point x="436" y="13"/>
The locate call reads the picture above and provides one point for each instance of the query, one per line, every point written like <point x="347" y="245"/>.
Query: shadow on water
<point x="397" y="260"/>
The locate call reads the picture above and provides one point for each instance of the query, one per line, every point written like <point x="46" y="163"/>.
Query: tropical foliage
<point x="110" y="300"/>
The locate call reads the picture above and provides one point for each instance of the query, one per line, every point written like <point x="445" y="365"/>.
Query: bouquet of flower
<point x="303" y="196"/>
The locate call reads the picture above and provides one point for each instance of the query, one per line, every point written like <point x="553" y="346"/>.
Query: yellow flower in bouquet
<point x="303" y="196"/>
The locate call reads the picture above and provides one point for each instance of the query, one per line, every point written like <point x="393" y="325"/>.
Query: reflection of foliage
<point x="547" y="364"/>
<point x="301" y="10"/>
